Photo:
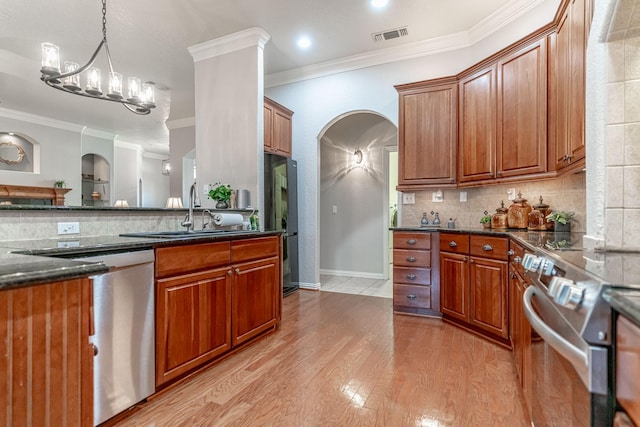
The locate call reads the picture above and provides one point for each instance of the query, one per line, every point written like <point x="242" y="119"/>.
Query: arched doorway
<point x="354" y="208"/>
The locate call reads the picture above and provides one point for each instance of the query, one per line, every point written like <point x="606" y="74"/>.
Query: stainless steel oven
<point x="571" y="347"/>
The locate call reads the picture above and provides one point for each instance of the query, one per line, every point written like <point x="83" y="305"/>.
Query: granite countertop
<point x="29" y="262"/>
<point x="625" y="301"/>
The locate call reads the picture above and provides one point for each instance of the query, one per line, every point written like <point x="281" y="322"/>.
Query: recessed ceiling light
<point x="379" y="3"/>
<point x="304" y="42"/>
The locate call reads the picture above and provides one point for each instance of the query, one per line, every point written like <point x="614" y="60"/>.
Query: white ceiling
<point x="149" y="39"/>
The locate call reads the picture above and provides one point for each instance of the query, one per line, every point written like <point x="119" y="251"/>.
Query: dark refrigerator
<point x="281" y="212"/>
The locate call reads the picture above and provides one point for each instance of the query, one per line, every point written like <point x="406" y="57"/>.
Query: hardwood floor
<point x="347" y="360"/>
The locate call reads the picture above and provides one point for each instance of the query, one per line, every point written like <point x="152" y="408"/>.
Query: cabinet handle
<point x="411" y="276"/>
<point x="411" y="241"/>
<point x="237" y="271"/>
<point x="487" y="247"/>
<point x="511" y="252"/>
<point x="229" y="272"/>
<point x="517" y="260"/>
<point x="411" y="259"/>
<point x="411" y="296"/>
<point x="95" y="349"/>
<point x="464" y="259"/>
<point x="513" y="275"/>
<point x="471" y="261"/>
<point x="452" y="244"/>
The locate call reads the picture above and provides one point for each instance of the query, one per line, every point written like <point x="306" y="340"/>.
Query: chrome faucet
<point x="188" y="220"/>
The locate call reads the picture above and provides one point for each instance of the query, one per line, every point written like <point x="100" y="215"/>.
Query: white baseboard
<point x="361" y="274"/>
<point x="309" y="286"/>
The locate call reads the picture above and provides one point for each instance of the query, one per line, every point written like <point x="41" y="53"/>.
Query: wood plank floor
<point x="347" y="360"/>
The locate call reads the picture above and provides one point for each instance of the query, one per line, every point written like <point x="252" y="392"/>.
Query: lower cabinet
<point x="227" y="294"/>
<point x="415" y="274"/>
<point x="473" y="283"/>
<point x="46" y="359"/>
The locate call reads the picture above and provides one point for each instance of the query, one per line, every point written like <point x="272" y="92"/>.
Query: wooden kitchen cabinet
<point x="277" y="128"/>
<point x="46" y="360"/>
<point x="503" y="116"/>
<point x="567" y="83"/>
<point x="427" y="134"/>
<point x="473" y="283"/>
<point x="415" y="274"/>
<point x="628" y="367"/>
<point x="256" y="295"/>
<point x="212" y="297"/>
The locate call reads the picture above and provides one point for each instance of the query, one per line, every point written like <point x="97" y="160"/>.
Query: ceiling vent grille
<point x="390" y="34"/>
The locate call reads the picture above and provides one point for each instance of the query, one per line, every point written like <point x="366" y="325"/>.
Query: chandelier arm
<point x="139" y="109"/>
<point x="47" y="79"/>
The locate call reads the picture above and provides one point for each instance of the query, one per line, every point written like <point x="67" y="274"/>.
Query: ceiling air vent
<point x="390" y="34"/>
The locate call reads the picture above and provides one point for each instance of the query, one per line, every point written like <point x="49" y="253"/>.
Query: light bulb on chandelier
<point x="141" y="96"/>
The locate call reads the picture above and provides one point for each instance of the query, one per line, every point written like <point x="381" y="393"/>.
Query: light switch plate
<point x="437" y="197"/>
<point x="463" y="196"/>
<point x="334" y="209"/>
<point x="408" y="198"/>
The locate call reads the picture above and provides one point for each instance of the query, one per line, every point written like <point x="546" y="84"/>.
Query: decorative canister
<point x="95" y="195"/>
<point x="538" y="217"/>
<point x="500" y="218"/>
<point x="519" y="213"/>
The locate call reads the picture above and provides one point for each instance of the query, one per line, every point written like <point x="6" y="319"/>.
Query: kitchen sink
<point x="181" y="233"/>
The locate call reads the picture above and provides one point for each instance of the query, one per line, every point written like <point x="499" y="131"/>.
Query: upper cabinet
<point x="567" y="87"/>
<point x="277" y="128"/>
<point x="518" y="115"/>
<point x="428" y="120"/>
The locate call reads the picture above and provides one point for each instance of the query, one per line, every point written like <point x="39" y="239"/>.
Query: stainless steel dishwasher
<point x="123" y="304"/>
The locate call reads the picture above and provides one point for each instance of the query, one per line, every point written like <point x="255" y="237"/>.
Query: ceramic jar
<point x="500" y="219"/>
<point x="519" y="213"/>
<point x="538" y="217"/>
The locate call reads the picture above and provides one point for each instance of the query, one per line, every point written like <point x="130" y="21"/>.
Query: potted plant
<point x="221" y="194"/>
<point x="486" y="220"/>
<point x="561" y="220"/>
<point x="59" y="183"/>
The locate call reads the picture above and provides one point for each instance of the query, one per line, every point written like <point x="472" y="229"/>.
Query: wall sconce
<point x="166" y="167"/>
<point x="121" y="204"/>
<point x="173" y="202"/>
<point x="357" y="156"/>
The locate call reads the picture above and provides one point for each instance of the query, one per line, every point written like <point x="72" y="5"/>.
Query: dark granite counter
<point x="29" y="262"/>
<point x="625" y="302"/>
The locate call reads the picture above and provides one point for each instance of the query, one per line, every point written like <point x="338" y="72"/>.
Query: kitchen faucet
<point x="188" y="220"/>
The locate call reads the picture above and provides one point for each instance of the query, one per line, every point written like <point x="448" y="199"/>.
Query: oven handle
<point x="573" y="354"/>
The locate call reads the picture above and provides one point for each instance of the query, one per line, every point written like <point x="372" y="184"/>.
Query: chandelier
<point x="140" y="97"/>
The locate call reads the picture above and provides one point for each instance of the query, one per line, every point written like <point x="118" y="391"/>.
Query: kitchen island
<point x="46" y="313"/>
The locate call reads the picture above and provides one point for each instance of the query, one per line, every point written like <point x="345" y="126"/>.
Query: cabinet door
<point x="427" y="134"/>
<point x="577" y="52"/>
<point x="515" y="320"/>
<point x="192" y="321"/>
<point x="522" y="112"/>
<point x="268" y="127"/>
<point x="282" y="133"/>
<point x="255" y="295"/>
<point x="488" y="295"/>
<point x="477" y="137"/>
<point x="454" y="285"/>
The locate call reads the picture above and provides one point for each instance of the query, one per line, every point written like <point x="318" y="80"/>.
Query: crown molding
<point x="128" y="145"/>
<point x="180" y="123"/>
<point x="99" y="133"/>
<point x="40" y="120"/>
<point x="233" y="42"/>
<point x="157" y="156"/>
<point x="494" y="22"/>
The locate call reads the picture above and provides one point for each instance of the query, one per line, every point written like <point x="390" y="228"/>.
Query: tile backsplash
<point x="567" y="193"/>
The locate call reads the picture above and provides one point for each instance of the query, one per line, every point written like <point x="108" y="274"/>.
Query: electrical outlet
<point x="68" y="228"/>
<point x="408" y="198"/>
<point x="437" y="197"/>
<point x="511" y="193"/>
<point x="334" y="209"/>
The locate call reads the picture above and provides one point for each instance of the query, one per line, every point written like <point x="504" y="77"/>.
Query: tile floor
<point x="356" y="286"/>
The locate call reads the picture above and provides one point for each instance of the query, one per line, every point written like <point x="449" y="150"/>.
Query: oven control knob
<point x="567" y="294"/>
<point x="547" y="267"/>
<point x="531" y="262"/>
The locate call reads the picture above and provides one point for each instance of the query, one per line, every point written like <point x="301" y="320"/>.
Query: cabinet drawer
<point x="454" y="242"/>
<point x="183" y="259"/>
<point x="490" y="247"/>
<point x="251" y="249"/>
<point x="412" y="276"/>
<point x="409" y="240"/>
<point x="412" y="296"/>
<point x="411" y="258"/>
